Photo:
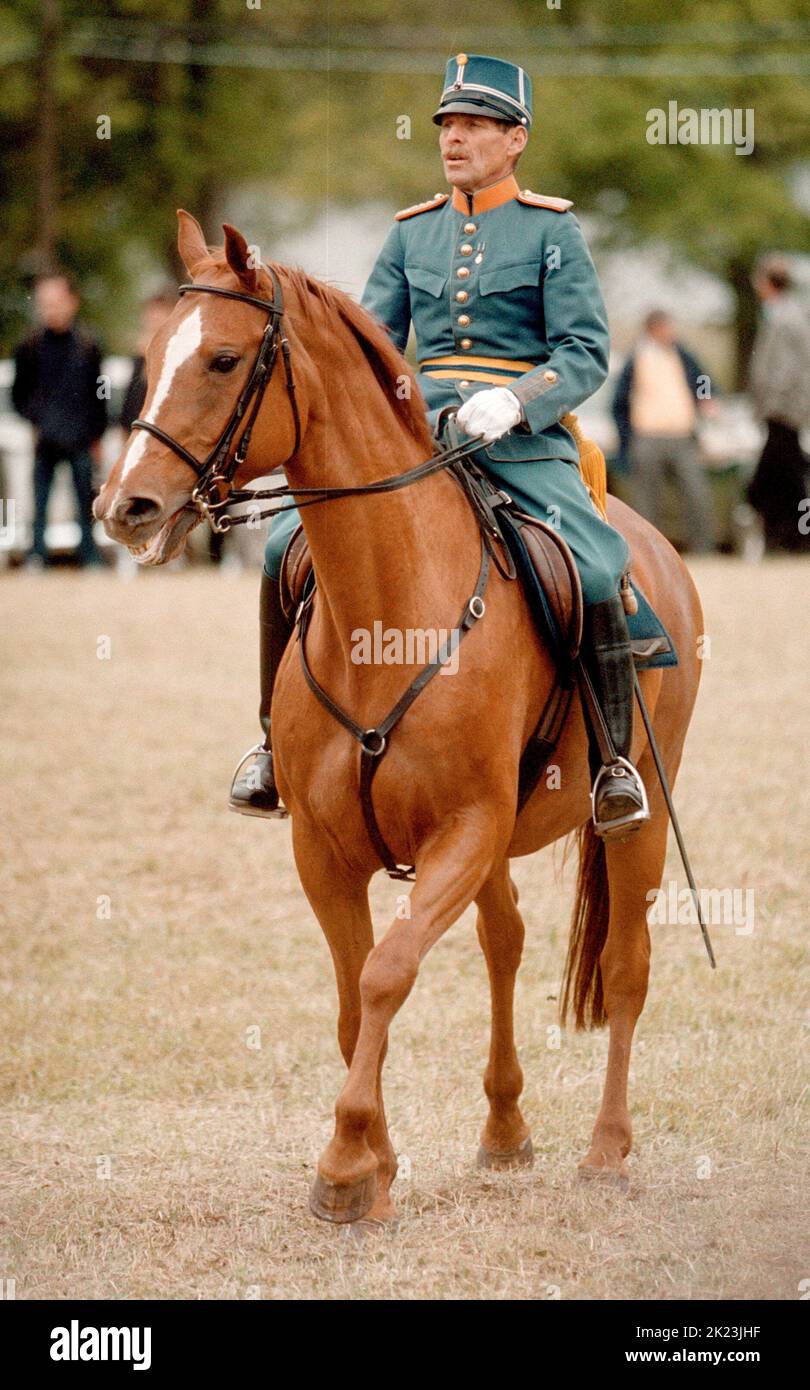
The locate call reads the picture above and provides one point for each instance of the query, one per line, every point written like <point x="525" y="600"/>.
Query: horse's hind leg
<point x="634" y="866"/>
<point x="505" y="1141"/>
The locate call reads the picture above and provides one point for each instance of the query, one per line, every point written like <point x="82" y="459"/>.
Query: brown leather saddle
<point x="296" y="568"/>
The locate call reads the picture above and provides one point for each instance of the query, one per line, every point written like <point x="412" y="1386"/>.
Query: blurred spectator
<point x="655" y="408"/>
<point x="154" y="313"/>
<point x="56" y="388"/>
<point x="780" y="387"/>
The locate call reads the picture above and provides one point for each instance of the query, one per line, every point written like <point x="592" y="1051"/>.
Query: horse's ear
<point x="240" y="258"/>
<point x="191" y="242"/>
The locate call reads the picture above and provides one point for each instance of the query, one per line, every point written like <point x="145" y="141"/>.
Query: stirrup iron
<point x="611" y="829"/>
<point x="280" y="812"/>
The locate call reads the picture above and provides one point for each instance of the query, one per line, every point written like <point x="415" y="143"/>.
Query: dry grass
<point x="125" y="1038"/>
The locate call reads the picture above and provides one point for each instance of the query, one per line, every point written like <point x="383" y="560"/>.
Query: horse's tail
<point x="582" y="978"/>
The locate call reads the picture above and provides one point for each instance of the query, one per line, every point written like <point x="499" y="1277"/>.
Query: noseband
<point x="215" y="474"/>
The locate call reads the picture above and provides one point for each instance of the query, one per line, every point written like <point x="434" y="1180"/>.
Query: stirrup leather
<point x="280" y="812"/>
<point x="609" y="828"/>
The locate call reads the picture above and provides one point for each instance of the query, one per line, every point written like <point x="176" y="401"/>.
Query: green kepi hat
<point x="481" y="86"/>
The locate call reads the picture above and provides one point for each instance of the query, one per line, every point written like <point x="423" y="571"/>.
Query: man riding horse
<point x="511" y="331"/>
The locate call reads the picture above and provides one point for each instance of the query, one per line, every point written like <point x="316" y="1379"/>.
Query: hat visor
<point x="466" y="106"/>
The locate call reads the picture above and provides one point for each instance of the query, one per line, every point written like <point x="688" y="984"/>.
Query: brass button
<point x="466" y="249"/>
<point x="550" y="375"/>
<point x="466" y="342"/>
<point x="463" y="320"/>
<point x="463" y="271"/>
<point x="470" y="227"/>
<point x="464" y="383"/>
<point x="462" y="296"/>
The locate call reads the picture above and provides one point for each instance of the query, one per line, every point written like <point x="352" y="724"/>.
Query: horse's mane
<point x="388" y="365"/>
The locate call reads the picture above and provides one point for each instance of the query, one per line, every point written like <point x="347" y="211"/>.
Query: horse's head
<point x="196" y="367"/>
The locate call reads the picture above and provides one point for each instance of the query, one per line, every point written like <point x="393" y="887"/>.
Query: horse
<point x="347" y="411"/>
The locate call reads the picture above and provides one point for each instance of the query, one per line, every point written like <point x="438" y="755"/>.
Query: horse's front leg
<point x="505" y="1140"/>
<point x="340" y="902"/>
<point x="449" y="871"/>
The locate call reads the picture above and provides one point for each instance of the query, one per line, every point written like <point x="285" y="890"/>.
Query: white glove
<point x="490" y="413"/>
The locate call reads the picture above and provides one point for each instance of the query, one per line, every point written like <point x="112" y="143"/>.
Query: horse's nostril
<point x="137" y="509"/>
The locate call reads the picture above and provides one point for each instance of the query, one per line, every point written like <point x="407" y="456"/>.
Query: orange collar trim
<point x="486" y="198"/>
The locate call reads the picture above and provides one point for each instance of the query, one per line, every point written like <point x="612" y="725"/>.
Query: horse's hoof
<point x="606" y="1177"/>
<point x="333" y="1202"/>
<point x="522" y="1157"/>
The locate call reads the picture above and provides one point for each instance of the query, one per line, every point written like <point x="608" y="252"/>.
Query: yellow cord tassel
<point x="592" y="464"/>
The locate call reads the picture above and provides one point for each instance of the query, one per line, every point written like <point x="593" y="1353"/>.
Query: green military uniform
<point x="501" y="291"/>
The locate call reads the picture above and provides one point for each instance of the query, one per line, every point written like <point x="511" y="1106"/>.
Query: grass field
<point x="154" y="1144"/>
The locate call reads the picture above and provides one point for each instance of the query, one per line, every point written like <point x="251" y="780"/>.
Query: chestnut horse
<point x="445" y="793"/>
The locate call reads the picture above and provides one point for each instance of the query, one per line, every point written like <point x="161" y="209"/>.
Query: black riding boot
<point x="256" y="793"/>
<point x="618" y="796"/>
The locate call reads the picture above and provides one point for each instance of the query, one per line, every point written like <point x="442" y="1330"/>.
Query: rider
<point x="511" y="328"/>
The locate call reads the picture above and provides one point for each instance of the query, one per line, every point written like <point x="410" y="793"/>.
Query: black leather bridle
<point x="216" y="471"/>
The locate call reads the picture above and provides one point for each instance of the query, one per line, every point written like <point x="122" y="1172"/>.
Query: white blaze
<point x="183" y="343"/>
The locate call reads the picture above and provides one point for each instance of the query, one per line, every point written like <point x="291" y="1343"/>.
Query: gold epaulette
<point x="543" y="200"/>
<point x="434" y="202"/>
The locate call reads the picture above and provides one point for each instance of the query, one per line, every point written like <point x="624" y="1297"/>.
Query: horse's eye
<point x="224" y="363"/>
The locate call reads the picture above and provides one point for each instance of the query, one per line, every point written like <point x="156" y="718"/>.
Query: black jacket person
<point x="57" y="389"/>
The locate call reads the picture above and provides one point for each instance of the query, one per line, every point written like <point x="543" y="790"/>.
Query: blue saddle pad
<point x="642" y="626"/>
<point x="646" y="624"/>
